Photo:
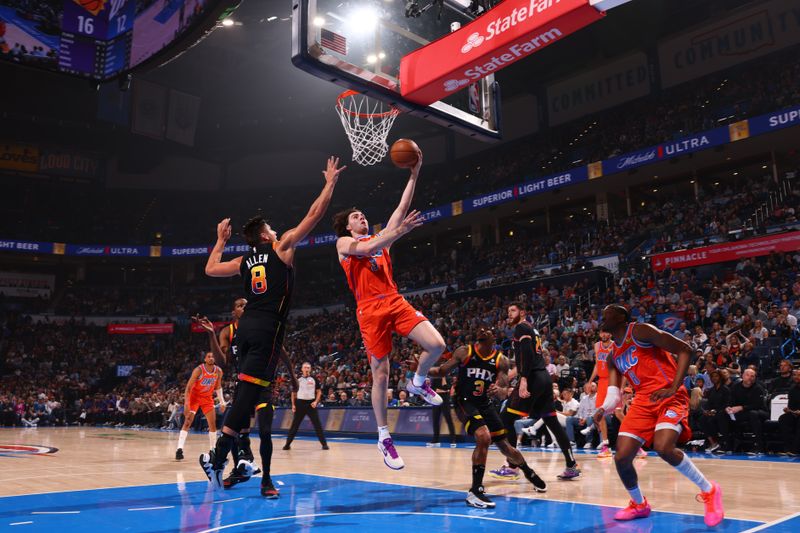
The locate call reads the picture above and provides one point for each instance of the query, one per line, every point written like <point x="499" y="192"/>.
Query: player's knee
<point x="663" y="449"/>
<point x="438" y="346"/>
<point x="482" y="439"/>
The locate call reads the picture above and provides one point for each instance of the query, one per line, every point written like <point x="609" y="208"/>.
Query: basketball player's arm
<point x="405" y="200"/>
<point x="524" y="334"/>
<point x="445" y="368"/>
<point x="221" y="346"/>
<point x="189" y="384"/>
<point x="292" y="237"/>
<point x="216" y="347"/>
<point x="220" y="395"/>
<point x="215" y="266"/>
<point x="594" y="370"/>
<point x="673" y="345"/>
<point x="500" y="386"/>
<point x="612" y="394"/>
<point x="349" y="246"/>
<point x="287" y="361"/>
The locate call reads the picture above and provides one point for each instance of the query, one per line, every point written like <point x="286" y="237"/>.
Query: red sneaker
<point x="713" y="502"/>
<point x="633" y="511"/>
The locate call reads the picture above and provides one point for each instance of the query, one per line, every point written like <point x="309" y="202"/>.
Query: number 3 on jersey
<point x="258" y="279"/>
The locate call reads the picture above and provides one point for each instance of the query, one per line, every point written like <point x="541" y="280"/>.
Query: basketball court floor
<point x="101" y="479"/>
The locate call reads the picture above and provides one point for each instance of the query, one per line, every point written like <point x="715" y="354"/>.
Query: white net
<point x="367" y="123"/>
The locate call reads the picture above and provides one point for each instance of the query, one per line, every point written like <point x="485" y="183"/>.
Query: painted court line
<point x="20" y="523"/>
<point x="392" y="513"/>
<point x="152" y="508"/>
<point x="56" y="512"/>
<point x="773" y="523"/>
<point x="231" y="500"/>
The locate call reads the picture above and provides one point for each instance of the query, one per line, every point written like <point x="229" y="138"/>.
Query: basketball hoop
<point x="367" y="124"/>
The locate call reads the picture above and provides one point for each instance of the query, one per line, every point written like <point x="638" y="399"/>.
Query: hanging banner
<point x="615" y="83"/>
<point x="746" y="34"/>
<point x="729" y="251"/>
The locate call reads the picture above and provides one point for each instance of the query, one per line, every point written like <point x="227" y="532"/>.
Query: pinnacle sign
<point x="510" y="31"/>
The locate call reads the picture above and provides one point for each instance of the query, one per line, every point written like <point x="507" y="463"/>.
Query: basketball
<point x="92" y="6"/>
<point x="404" y="153"/>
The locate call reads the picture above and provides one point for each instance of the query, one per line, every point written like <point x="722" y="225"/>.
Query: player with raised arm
<point x="659" y="413"/>
<point x="381" y="309"/>
<point x="206" y="379"/>
<point x="483" y="372"/>
<point x="267" y="271"/>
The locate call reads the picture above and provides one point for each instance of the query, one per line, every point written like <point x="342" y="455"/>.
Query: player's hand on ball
<point x="224" y="230"/>
<point x="331" y="173"/>
<point x="415" y="168"/>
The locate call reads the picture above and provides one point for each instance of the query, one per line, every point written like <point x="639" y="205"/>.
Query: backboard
<point x="358" y="44"/>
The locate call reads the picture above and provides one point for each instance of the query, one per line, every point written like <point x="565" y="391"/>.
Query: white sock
<point x="383" y="433"/>
<point x="636" y="495"/>
<point x="688" y="469"/>
<point x="212" y="439"/>
<point x="182" y="438"/>
<point x="418" y="380"/>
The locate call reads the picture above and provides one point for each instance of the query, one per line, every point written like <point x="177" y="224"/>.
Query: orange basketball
<point x="404" y="153"/>
<point x="92" y="6"/>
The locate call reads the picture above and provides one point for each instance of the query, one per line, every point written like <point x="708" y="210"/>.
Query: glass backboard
<point x="358" y="44"/>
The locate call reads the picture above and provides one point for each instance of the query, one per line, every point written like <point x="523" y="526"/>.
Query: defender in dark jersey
<point x="483" y="372"/>
<point x="267" y="271"/>
<point x="533" y="395"/>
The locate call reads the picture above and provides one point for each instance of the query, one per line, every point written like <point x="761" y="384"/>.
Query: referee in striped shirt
<point x="304" y="402"/>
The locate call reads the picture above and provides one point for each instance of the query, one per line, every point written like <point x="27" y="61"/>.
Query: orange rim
<point x="350" y="93"/>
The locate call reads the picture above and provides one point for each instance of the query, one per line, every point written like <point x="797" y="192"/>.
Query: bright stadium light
<point x="227" y="22"/>
<point x="319" y="22"/>
<point x="363" y="20"/>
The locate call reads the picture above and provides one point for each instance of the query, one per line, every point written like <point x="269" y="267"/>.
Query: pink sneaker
<point x="713" y="502"/>
<point x="425" y="392"/>
<point x="633" y="511"/>
<point x="641" y="453"/>
<point x="605" y="451"/>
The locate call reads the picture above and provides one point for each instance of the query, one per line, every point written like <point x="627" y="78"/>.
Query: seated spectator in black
<point x="790" y="419"/>
<point x="747" y="405"/>
<point x="784" y="381"/>
<point x="359" y="400"/>
<point x="714" y="421"/>
<point x="343" y="399"/>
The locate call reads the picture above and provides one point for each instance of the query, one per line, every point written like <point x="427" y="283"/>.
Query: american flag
<point x="334" y="42"/>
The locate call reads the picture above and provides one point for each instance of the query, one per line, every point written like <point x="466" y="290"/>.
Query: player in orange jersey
<point x="659" y="414"/>
<point x="205" y="380"/>
<point x="602" y="349"/>
<point x="381" y="310"/>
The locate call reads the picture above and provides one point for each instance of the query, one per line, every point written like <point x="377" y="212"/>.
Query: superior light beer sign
<point x="512" y="30"/>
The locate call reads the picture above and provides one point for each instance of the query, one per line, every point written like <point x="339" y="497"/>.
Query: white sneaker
<point x="588" y="445"/>
<point x="391" y="458"/>
<point x="602" y="443"/>
<point x="529" y="431"/>
<point x="425" y="392"/>
<point x="587" y="431"/>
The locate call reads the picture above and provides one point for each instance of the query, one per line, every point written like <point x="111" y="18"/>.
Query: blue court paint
<point x="322" y="503"/>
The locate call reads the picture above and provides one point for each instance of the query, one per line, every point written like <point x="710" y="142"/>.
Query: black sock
<point x="235" y="451"/>
<point x="221" y="451"/>
<point x="527" y="470"/>
<point x="245" y="452"/>
<point x="477" y="476"/>
<point x="561" y="438"/>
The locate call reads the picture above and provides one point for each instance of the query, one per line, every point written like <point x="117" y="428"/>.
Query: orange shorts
<point x="204" y="403"/>
<point x="602" y="391"/>
<point x="644" y="418"/>
<point x="380" y="317"/>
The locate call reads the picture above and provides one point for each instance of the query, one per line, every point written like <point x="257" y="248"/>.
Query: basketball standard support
<point x="510" y="31"/>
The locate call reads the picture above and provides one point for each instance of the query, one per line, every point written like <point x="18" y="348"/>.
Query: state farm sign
<point x="510" y="31"/>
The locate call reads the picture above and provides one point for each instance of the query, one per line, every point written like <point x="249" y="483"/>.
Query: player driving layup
<point x="381" y="309"/>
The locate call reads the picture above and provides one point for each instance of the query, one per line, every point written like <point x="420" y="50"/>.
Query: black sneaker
<point x="538" y="483"/>
<point x="325" y="447"/>
<point x="268" y="490"/>
<point x="179" y="454"/>
<point x="287" y="447"/>
<point x="477" y="498"/>
<point x="214" y="475"/>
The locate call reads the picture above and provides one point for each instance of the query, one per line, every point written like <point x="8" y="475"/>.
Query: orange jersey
<point x="369" y="277"/>
<point x="647" y="367"/>
<point x="601" y="357"/>
<point x="206" y="383"/>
